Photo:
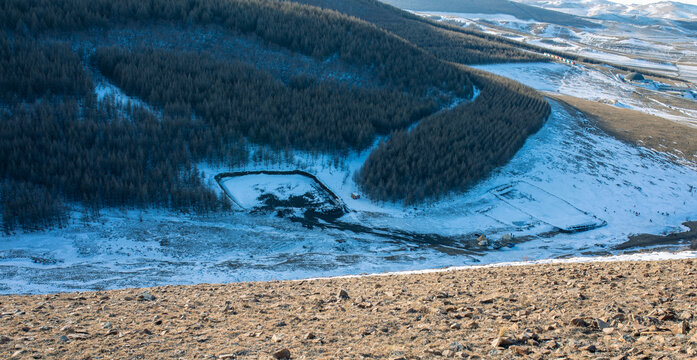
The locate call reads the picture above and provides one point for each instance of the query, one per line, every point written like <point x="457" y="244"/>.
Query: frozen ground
<point x="568" y="165"/>
<point x="596" y="85"/>
<point x="662" y="47"/>
<point x="246" y="190"/>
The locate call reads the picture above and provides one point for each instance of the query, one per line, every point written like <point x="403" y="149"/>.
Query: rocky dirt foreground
<point x="621" y="310"/>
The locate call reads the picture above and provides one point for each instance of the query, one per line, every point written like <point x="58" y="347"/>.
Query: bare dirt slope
<point x="639" y="128"/>
<point x="621" y="310"/>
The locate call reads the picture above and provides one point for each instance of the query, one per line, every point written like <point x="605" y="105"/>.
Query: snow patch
<point x="247" y="189"/>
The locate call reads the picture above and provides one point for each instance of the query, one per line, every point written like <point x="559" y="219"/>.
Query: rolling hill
<point x="518" y="10"/>
<point x="226" y="82"/>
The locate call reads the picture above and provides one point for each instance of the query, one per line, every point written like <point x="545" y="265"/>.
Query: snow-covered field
<point x="573" y="165"/>
<point x="651" y="47"/>
<point x="592" y="84"/>
<point x="245" y="190"/>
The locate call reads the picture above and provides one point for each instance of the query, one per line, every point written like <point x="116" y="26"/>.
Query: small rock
<point x="37" y="356"/>
<point x="528" y="334"/>
<point x="448" y="353"/>
<point x="520" y="350"/>
<point x="579" y="322"/>
<point x="600" y="324"/>
<point x="608" y="330"/>
<point x="502" y="342"/>
<point x="63" y="338"/>
<point x="79" y="336"/>
<point x="45" y="328"/>
<point x="590" y="348"/>
<point x="685" y="316"/>
<point x="277" y="338"/>
<point x="146" y="296"/>
<point x="227" y="356"/>
<point x="67" y="329"/>
<point x="281" y="354"/>
<point x="107" y="325"/>
<point x="551" y="345"/>
<point x="309" y="336"/>
<point x="343" y="295"/>
<point x="201" y="338"/>
<point x="4" y="340"/>
<point x="228" y="308"/>
<point x="682" y="328"/>
<point x="455" y="326"/>
<point x="627" y="338"/>
<point x="456" y="346"/>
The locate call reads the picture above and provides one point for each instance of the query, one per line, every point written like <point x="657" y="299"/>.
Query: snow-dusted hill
<point x="603" y="8"/>
<point x="568" y="171"/>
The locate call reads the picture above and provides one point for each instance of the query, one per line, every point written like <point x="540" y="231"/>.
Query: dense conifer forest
<point x="237" y="98"/>
<point x="451" y="150"/>
<point x="445" y="42"/>
<point x="30" y="70"/>
<point x="61" y="144"/>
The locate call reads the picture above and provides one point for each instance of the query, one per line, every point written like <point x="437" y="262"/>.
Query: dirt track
<point x="600" y="310"/>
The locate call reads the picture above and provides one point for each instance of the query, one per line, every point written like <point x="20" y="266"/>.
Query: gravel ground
<point x="618" y="310"/>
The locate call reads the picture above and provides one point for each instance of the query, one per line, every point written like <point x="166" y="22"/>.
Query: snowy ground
<point x="246" y="190"/>
<point x="670" y="50"/>
<point x="596" y="85"/>
<point x="568" y="165"/>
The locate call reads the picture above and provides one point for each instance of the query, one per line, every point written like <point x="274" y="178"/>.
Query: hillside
<point x="446" y="43"/>
<point x="663" y="10"/>
<point x="215" y="81"/>
<point x="504" y="7"/>
<point x="619" y="310"/>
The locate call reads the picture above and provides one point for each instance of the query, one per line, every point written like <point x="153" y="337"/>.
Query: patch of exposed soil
<point x="621" y="310"/>
<point x="638" y="128"/>
<point x="646" y="240"/>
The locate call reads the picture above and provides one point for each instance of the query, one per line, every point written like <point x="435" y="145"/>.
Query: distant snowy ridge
<point x="602" y="8"/>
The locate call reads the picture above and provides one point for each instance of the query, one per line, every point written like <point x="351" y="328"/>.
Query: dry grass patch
<point x="642" y="129"/>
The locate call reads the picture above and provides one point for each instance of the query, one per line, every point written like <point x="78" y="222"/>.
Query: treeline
<point x="305" y="29"/>
<point x="30" y="70"/>
<point x="452" y="150"/>
<point x="241" y="100"/>
<point x="30" y="206"/>
<point x="59" y="142"/>
<point x="443" y="42"/>
<point x="103" y="154"/>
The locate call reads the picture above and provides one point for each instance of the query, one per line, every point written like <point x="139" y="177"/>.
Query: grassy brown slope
<point x="602" y="310"/>
<point x="641" y="129"/>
